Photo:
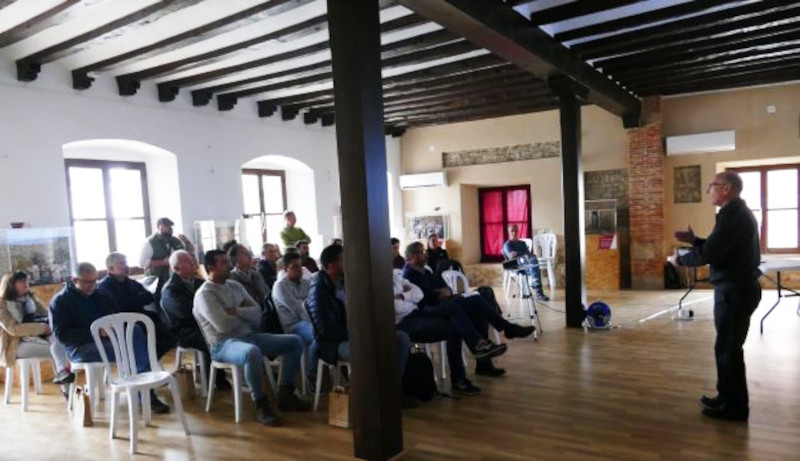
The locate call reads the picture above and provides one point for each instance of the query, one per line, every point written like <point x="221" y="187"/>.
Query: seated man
<point x="131" y="296"/>
<point x="177" y="300"/>
<point x="439" y="301"/>
<point x="230" y="320"/>
<point x="268" y="266"/>
<point x="306" y="260"/>
<point x="513" y="249"/>
<point x="289" y="295"/>
<point x="247" y="275"/>
<point x="435" y="252"/>
<point x="398" y="261"/>
<point x="329" y="316"/>
<point x="75" y="307"/>
<point x="423" y="328"/>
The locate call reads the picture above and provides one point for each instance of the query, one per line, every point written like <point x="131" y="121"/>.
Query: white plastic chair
<point x="26" y="366"/>
<point x="544" y="247"/>
<point x="119" y="329"/>
<point x="237" y="374"/>
<point x="442" y="358"/>
<point x="199" y="359"/>
<point x="321" y="364"/>
<point x="452" y="278"/>
<point x="96" y="380"/>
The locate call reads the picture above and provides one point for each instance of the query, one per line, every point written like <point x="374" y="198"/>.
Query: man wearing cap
<point x="154" y="258"/>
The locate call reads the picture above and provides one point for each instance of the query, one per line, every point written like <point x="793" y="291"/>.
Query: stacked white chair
<point x="544" y="247"/>
<point x="119" y="329"/>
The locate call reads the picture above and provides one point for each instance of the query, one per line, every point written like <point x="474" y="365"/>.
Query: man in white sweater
<point x="230" y="320"/>
<point x="289" y="294"/>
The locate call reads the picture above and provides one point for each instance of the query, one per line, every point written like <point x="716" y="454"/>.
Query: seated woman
<point x="24" y="328"/>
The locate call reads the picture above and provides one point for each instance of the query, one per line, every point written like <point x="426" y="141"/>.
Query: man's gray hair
<point x="113" y="258"/>
<point x="732" y="179"/>
<point x="175" y="257"/>
<point x="84" y="268"/>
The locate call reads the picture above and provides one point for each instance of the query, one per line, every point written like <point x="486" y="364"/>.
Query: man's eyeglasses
<point x="712" y="184"/>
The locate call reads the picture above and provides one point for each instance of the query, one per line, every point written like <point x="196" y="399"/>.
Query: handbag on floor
<point x="339" y="407"/>
<point x="82" y="407"/>
<point x="184" y="378"/>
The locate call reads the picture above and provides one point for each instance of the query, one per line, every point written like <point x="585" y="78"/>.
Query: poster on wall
<point x="45" y="254"/>
<point x="688" y="184"/>
<point x="420" y="227"/>
<point x="212" y="235"/>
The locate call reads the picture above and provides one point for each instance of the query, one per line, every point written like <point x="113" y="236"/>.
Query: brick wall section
<point x="646" y="189"/>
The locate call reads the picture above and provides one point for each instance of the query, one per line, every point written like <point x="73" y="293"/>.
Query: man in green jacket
<point x="291" y="234"/>
<point x="154" y="258"/>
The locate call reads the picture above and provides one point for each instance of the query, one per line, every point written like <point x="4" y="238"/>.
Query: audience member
<point x="398" y="261"/>
<point x="337" y="241"/>
<point x="439" y="300"/>
<point x="268" y="266"/>
<point x="177" y="300"/>
<point x="187" y="244"/>
<point x="424" y="328"/>
<point x="72" y="311"/>
<point x="289" y="295"/>
<point x="244" y="273"/>
<point x="24" y="328"/>
<point x="306" y="260"/>
<point x="329" y="316"/>
<point x="230" y="320"/>
<point x="130" y="296"/>
<point x="154" y="258"/>
<point x="291" y="234"/>
<point x="435" y="252"/>
<point x="513" y="249"/>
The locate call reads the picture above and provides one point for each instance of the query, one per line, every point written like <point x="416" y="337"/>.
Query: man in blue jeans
<point x="230" y="321"/>
<point x="289" y="294"/>
<point x="513" y="249"/>
<point x="74" y="309"/>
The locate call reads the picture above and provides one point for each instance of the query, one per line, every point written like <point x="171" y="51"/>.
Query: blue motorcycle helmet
<point x="598" y="315"/>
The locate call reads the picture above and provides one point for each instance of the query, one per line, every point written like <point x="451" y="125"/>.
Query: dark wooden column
<point x="375" y="384"/>
<point x="568" y="93"/>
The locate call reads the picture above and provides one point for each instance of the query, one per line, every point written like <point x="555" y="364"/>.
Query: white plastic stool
<point x="321" y="364"/>
<point x="236" y="371"/>
<point x="199" y="359"/>
<point x="95" y="380"/>
<point x="26" y="366"/>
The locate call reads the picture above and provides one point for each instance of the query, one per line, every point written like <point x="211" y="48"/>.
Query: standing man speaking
<point x="733" y="251"/>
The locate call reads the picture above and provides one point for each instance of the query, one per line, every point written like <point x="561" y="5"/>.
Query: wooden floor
<point x="628" y="393"/>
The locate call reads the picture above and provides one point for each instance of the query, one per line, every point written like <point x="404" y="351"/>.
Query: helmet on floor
<point x="598" y="315"/>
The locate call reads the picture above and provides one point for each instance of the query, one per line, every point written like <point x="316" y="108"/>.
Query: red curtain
<point x="501" y="207"/>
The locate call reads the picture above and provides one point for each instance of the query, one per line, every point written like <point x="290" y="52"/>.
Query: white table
<point x="778" y="266"/>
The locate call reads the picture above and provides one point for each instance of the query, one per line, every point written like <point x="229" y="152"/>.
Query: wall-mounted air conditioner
<point x="717" y="141"/>
<point x="417" y="181"/>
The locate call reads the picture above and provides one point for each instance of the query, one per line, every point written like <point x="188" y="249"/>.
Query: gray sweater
<point x="217" y="325"/>
<point x="289" y="297"/>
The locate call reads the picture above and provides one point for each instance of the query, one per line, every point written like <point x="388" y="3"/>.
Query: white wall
<point x="38" y="118"/>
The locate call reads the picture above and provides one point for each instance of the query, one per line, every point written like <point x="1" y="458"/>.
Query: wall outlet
<point x="771" y="109"/>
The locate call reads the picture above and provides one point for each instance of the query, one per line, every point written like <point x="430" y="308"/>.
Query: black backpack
<point x="270" y="323"/>
<point x="418" y="381"/>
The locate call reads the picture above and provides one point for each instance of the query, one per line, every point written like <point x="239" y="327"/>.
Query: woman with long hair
<point x="25" y="330"/>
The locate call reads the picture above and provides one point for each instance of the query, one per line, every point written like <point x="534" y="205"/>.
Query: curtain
<point x="492" y="222"/>
<point x="501" y="207"/>
<point x="517" y="210"/>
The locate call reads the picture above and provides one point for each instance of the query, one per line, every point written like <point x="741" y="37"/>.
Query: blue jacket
<point x="73" y="312"/>
<point x="130" y="295"/>
<point x="328" y="315"/>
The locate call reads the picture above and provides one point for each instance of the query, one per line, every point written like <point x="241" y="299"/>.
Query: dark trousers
<point x="164" y="339"/>
<point x="195" y="340"/>
<point x="481" y="314"/>
<point x="422" y="328"/>
<point x="734" y="303"/>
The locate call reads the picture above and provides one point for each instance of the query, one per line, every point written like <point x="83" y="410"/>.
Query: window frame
<point x="763" y="170"/>
<point x="105" y="166"/>
<point x="259" y="173"/>
<point x="504" y="189"/>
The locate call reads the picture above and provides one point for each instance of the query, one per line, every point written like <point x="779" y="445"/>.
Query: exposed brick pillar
<point x="646" y="176"/>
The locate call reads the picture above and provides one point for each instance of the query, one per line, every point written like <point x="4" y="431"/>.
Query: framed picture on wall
<point x="420" y="227"/>
<point x="45" y="254"/>
<point x="688" y="184"/>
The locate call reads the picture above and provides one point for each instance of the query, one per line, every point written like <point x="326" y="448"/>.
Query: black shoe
<point x="518" y="331"/>
<point x="157" y="406"/>
<point x="409" y="403"/>
<point x="487" y="368"/>
<point x="465" y="387"/>
<point x="64" y="377"/>
<point x="542" y="297"/>
<point x="265" y="414"/>
<point x="721" y="412"/>
<point x="288" y="401"/>
<point x="486" y="349"/>
<point x="711" y="402"/>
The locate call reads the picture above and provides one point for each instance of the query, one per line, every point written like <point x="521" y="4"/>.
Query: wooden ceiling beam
<point x="638" y="20"/>
<point x="683" y="30"/>
<point x="574" y="10"/>
<point x="52" y="17"/>
<point x="29" y="67"/>
<point x="82" y="80"/>
<point x="504" y="32"/>
<point x="489" y="99"/>
<point x="726" y="82"/>
<point x="520" y="107"/>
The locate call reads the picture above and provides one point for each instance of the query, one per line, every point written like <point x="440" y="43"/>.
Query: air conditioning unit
<point x="418" y="181"/>
<point x="717" y="141"/>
